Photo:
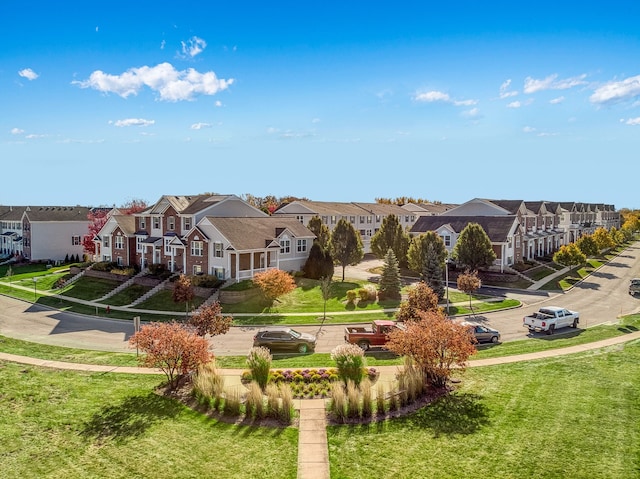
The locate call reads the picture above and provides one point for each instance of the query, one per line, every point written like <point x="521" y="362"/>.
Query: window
<point x="300" y="218"/>
<point x="105" y="241"/>
<point x="187" y="223"/>
<point x="119" y="260"/>
<point x="218" y="252"/>
<point x="197" y="269"/>
<point x="446" y="239"/>
<point x="285" y="246"/>
<point x="143" y="223"/>
<point x="378" y="218"/>
<point x="167" y="246"/>
<point x="218" y="273"/>
<point x="196" y="248"/>
<point x="302" y="245"/>
<point x="75" y="240"/>
<point x="172" y="223"/>
<point x="406" y="219"/>
<point x="368" y="233"/>
<point x="369" y="219"/>
<point x="333" y="220"/>
<point x="361" y="232"/>
<point x="139" y="240"/>
<point x="352" y="219"/>
<point x="361" y="219"/>
<point x="156" y="223"/>
<point x="119" y="242"/>
<point x="324" y="220"/>
<point x="106" y="258"/>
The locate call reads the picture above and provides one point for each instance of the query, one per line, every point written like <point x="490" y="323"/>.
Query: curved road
<point x="600" y="298"/>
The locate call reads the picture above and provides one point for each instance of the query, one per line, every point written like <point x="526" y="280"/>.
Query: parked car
<point x="284" y="339"/>
<point x="375" y="335"/>
<point x="550" y="318"/>
<point x="634" y="286"/>
<point x="484" y="334"/>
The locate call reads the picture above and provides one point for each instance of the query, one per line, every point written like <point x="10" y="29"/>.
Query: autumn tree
<point x="389" y="284"/>
<point x="473" y="248"/>
<point x="587" y="245"/>
<point x="469" y="282"/>
<point x="210" y="320"/>
<point x="171" y="348"/>
<point x="183" y="291"/>
<point x="346" y="245"/>
<point x="318" y="228"/>
<point x="274" y="283"/>
<point x="603" y="239"/>
<point x="133" y="206"/>
<point x="436" y="345"/>
<point x="391" y="235"/>
<point x="420" y="297"/>
<point x="319" y="263"/>
<point x="97" y="218"/>
<point x="427" y="254"/>
<point x="569" y="255"/>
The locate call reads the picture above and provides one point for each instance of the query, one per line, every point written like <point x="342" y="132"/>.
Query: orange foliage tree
<point x="468" y="282"/>
<point x="274" y="283"/>
<point x="210" y="320"/>
<point x="171" y="348"/>
<point x="183" y="291"/>
<point x="420" y="298"/>
<point x="436" y="344"/>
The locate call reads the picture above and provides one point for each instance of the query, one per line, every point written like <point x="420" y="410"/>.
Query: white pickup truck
<point x="550" y="318"/>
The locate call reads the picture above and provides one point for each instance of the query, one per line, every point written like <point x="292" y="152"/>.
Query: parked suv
<point x="284" y="339"/>
<point x="634" y="286"/>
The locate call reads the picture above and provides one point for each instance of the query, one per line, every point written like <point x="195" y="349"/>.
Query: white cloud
<point x="28" y="73"/>
<point x="633" y="121"/>
<point x="162" y="44"/>
<point x="504" y="90"/>
<point x="434" y="96"/>
<point x="531" y="85"/>
<point x="546" y="134"/>
<point x="16" y="131"/>
<point x="218" y="103"/>
<point x="200" y="126"/>
<point x="617" y="91"/>
<point x="169" y="83"/>
<point x="193" y="46"/>
<point x="514" y="104"/>
<point x="134" y="122"/>
<point x="556" y="101"/>
<point x="473" y="113"/>
<point x="33" y="136"/>
<point x="271" y="130"/>
<point x="528" y="129"/>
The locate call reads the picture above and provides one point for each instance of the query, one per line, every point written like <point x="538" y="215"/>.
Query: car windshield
<point x="295" y="333"/>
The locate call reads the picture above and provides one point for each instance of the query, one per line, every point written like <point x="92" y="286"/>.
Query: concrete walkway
<point x="313" y="452"/>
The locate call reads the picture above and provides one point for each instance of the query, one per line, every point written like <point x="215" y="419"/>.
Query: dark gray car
<point x="284" y="339"/>
<point x="484" y="334"/>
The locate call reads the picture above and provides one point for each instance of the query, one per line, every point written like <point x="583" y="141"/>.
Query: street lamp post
<point x="446" y="282"/>
<point x="35" y="282"/>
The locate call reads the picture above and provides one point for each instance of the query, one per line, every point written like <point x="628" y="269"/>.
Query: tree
<point x="569" y="255"/>
<point x="587" y="245"/>
<point x="389" y="286"/>
<point x="427" y="254"/>
<point x="183" y="291"/>
<point x="603" y="239"/>
<point x="97" y="218"/>
<point x="325" y="288"/>
<point x="435" y="344"/>
<point x="419" y="298"/>
<point x="468" y="282"/>
<point x="133" y="206"/>
<point x="210" y="320"/>
<point x="274" y="283"/>
<point x="319" y="264"/>
<point x="473" y="248"/>
<point x="171" y="348"/>
<point x="323" y="235"/>
<point x="391" y="235"/>
<point x="346" y="245"/>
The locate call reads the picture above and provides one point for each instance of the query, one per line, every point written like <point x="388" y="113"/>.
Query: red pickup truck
<point x="374" y="335"/>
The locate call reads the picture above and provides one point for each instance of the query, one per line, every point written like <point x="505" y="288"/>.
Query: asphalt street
<point x="601" y="298"/>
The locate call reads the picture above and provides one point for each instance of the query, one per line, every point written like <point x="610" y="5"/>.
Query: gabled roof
<point x="257" y="233"/>
<point x="431" y="208"/>
<point x="383" y="209"/>
<point x="321" y="208"/>
<point x="57" y="213"/>
<point x="127" y="223"/>
<point x="512" y="206"/>
<point x="496" y="227"/>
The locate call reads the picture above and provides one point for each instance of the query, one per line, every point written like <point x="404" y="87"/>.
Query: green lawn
<point x="89" y="288"/>
<point x="127" y="295"/>
<point x="576" y="417"/>
<point x="62" y="424"/>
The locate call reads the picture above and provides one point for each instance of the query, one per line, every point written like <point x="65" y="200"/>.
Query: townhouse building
<point x="366" y="218"/>
<point x="11" y="231"/>
<point x="116" y="241"/>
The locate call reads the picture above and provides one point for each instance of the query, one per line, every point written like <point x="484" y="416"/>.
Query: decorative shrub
<point x="273" y="400"/>
<point x="208" y="384"/>
<point x="372" y="292"/>
<point x="231" y="405"/>
<point x="363" y="294"/>
<point x="380" y="403"/>
<point x="254" y="404"/>
<point x="351" y="295"/>
<point x="206" y="281"/>
<point x="259" y="361"/>
<point x="338" y="401"/>
<point x="367" y="402"/>
<point x="353" y="400"/>
<point x="286" y="405"/>
<point x="350" y="361"/>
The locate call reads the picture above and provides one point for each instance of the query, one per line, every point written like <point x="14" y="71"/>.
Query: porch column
<point x="251" y="265"/>
<point x="237" y="268"/>
<point x="502" y="260"/>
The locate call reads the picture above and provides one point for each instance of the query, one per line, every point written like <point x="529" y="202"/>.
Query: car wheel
<point x="303" y="348"/>
<point x="364" y="345"/>
<point x="494" y="339"/>
<point x="551" y="329"/>
<point x="575" y="323"/>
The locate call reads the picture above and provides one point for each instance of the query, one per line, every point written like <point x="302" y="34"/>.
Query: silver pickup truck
<point x="550" y="318"/>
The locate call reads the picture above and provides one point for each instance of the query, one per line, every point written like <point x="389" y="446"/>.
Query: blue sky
<point x="106" y="102"/>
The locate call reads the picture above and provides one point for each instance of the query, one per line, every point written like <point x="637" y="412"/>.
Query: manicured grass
<point x="163" y="301"/>
<point x="79" y="425"/>
<point x="89" y="288"/>
<point x="127" y="295"/>
<point x="576" y="417"/>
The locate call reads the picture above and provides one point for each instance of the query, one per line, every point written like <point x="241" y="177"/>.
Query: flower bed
<point x="308" y="383"/>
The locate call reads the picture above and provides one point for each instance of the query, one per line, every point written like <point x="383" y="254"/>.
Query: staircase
<point x="540" y="263"/>
<point x="151" y="292"/>
<point x="76" y="277"/>
<point x="519" y="274"/>
<point x="122" y="286"/>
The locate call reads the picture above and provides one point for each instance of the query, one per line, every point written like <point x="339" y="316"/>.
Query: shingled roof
<point x="258" y="233"/>
<point x="496" y="227"/>
<point x="57" y="213"/>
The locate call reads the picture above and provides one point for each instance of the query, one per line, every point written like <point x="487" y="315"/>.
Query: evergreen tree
<point x="323" y="235"/>
<point x="390" y="285"/>
<point x="346" y="245"/>
<point x="391" y="235"/>
<point x="473" y="248"/>
<point x="432" y="269"/>
<point x="319" y="264"/>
